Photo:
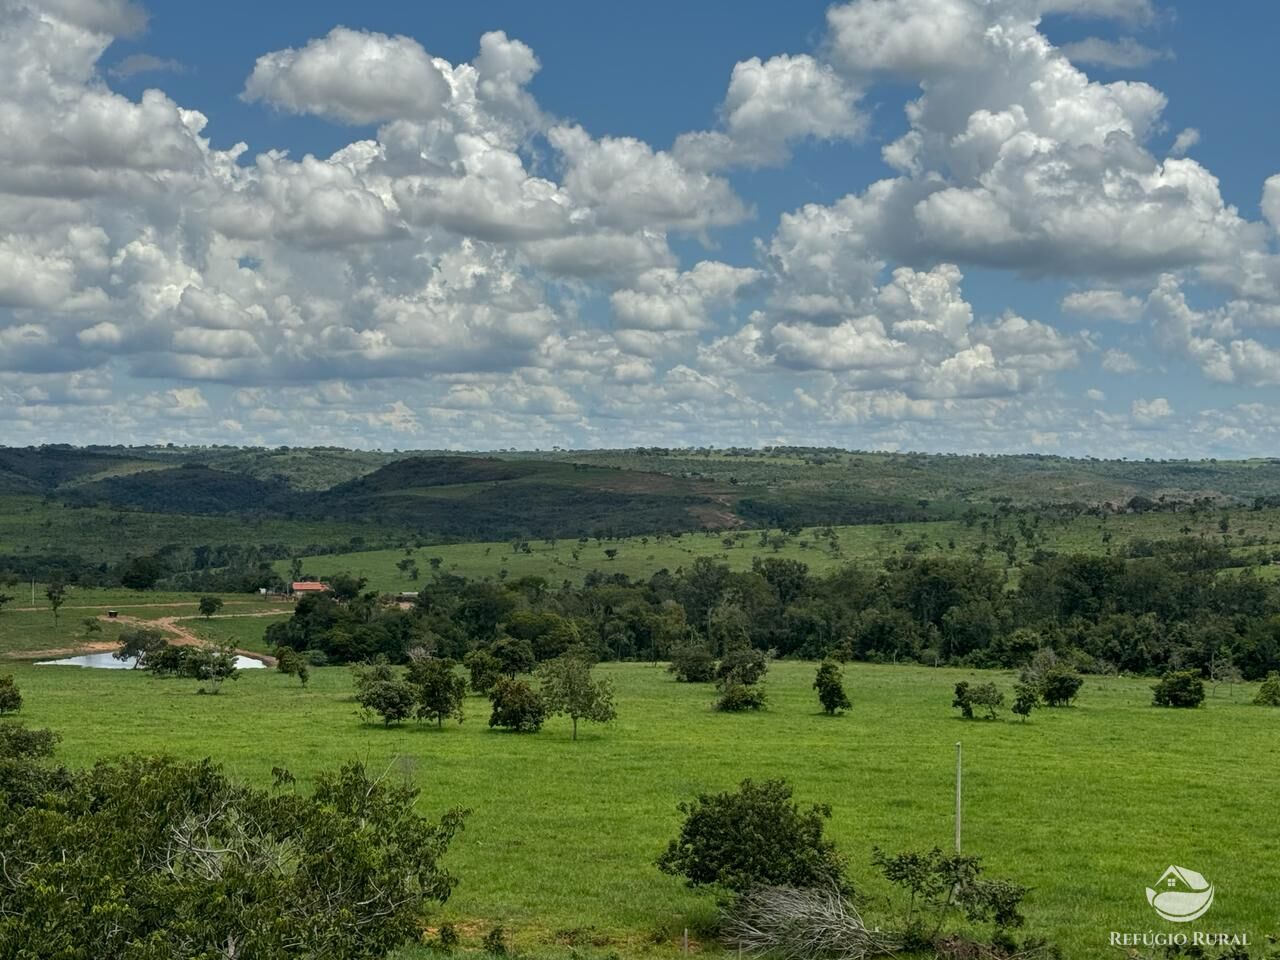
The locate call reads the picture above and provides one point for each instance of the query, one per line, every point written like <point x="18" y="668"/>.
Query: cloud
<point x="1184" y="141"/>
<point x="137" y="63"/>
<point x="1119" y="362"/>
<point x="1150" y="412"/>
<point x="1123" y="54"/>
<point x="352" y="76"/>
<point x="1104" y="305"/>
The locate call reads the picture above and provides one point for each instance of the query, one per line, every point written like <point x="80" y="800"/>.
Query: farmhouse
<point x="308" y="586"/>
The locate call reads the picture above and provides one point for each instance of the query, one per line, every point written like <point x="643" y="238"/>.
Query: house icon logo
<point x="1181" y="895"/>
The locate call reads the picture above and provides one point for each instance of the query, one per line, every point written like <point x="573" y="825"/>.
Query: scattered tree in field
<point x="209" y="606"/>
<point x="187" y="862"/>
<point x="983" y="696"/>
<point x="485" y="670"/>
<point x="211" y="664"/>
<point x="5" y="598"/>
<point x="142" y="573"/>
<point x="692" y="664"/>
<point x="140" y="645"/>
<point x="1269" y="692"/>
<point x="392" y="700"/>
<point x="568" y="688"/>
<point x="1026" y="697"/>
<point x="1178" y="688"/>
<point x="515" y="656"/>
<point x="737" y="697"/>
<point x="56" y="594"/>
<point x="440" y="690"/>
<point x="10" y="695"/>
<point x="292" y="664"/>
<point x="830" y="686"/>
<point x="91" y="626"/>
<point x="1059" y="685"/>
<point x="516" y="706"/>
<point x="754" y="836"/>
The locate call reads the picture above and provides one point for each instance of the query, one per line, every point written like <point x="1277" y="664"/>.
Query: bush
<point x="495" y="942"/>
<point x="1059" y="685"/>
<point x="984" y="696"/>
<point x="752" y="837"/>
<point x="10" y="695"/>
<point x="1269" y="692"/>
<point x="692" y="665"/>
<point x="392" y="700"/>
<point x="738" y="697"/>
<point x="830" y="686"/>
<point x="1026" y="697"/>
<point x="742" y="666"/>
<point x="516" y="706"/>
<point x="1178" y="688"/>
<point x="514" y="656"/>
<point x="447" y="937"/>
<point x="439" y="691"/>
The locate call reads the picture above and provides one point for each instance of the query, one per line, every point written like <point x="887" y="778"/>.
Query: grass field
<point x="869" y="543"/>
<point x="1086" y="805"/>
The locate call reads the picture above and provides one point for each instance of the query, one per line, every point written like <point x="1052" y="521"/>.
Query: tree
<point x="209" y="606"/>
<point x="516" y="706"/>
<point x="692" y="664"/>
<point x="983" y="695"/>
<point x="211" y="664"/>
<point x="1269" y="692"/>
<point x="742" y="666"/>
<point x="292" y="664"/>
<point x="10" y="695"/>
<point x="1178" y="688"/>
<point x="738" y="697"/>
<point x="5" y="598"/>
<point x="187" y="862"/>
<point x="56" y="594"/>
<point x="830" y="686"/>
<point x="140" y="645"/>
<point x="1026" y="697"/>
<point x="440" y="690"/>
<point x="485" y="669"/>
<point x="754" y="836"/>
<point x="515" y="656"/>
<point x="142" y="573"/>
<point x="567" y="688"/>
<point x="392" y="700"/>
<point x="1059" y="685"/>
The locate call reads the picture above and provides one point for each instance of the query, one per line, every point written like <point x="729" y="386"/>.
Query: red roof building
<point x="308" y="586"/>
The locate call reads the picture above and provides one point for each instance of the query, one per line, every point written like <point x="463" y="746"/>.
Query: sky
<point x="943" y="225"/>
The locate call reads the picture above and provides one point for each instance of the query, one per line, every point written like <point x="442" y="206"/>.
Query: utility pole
<point x="958" y="796"/>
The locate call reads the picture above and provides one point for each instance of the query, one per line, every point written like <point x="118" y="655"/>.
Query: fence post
<point x="958" y="796"/>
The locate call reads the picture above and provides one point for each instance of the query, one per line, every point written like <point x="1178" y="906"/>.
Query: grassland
<point x="869" y="544"/>
<point x="1087" y="805"/>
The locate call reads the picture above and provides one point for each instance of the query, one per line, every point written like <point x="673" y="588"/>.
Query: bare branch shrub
<point x="802" y="924"/>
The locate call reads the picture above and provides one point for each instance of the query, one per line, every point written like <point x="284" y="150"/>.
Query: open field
<point x="867" y="543"/>
<point x="1086" y="805"/>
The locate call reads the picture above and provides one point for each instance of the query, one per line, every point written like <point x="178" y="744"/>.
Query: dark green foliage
<point x="154" y="858"/>
<point x="142" y="573"/>
<point x="1178" y="688"/>
<point x="830" y="686"/>
<point x="984" y="697"/>
<point x="738" y="697"/>
<point x="447" y="938"/>
<point x="1026" y="697"/>
<point x="568" y="688"/>
<point x="1269" y="692"/>
<point x="1059" y="685"/>
<point x="484" y="669"/>
<point x="692" y="664"/>
<point x="141" y="645"/>
<point x="514" y="656"/>
<point x="751" y="837"/>
<point x="209" y="606"/>
<point x="292" y="664"/>
<point x="495" y="942"/>
<point x="742" y="666"/>
<point x="10" y="695"/>
<point x="440" y="690"/>
<point x="392" y="700"/>
<point x="516" y="706"/>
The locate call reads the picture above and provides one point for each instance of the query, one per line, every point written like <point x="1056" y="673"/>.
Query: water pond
<point x="107" y="661"/>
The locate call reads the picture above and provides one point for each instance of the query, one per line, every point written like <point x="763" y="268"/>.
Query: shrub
<point x="292" y="664"/>
<point x="742" y="666"/>
<point x="984" y="696"/>
<point x="514" y="656"/>
<point x="495" y="942"/>
<point x="738" y="697"/>
<point x="1269" y="692"/>
<point x="1026" y="697"/>
<point x="1059" y="685"/>
<point x="752" y="837"/>
<point x="516" y="706"/>
<point x="485" y="670"/>
<point x="438" y="690"/>
<point x="10" y="695"/>
<point x="830" y="686"/>
<point x="1178" y="688"/>
<point x="447" y="937"/>
<point x="392" y="700"/>
<point x="692" y="664"/>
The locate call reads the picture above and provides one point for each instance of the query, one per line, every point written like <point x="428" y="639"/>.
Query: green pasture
<point x="1086" y="805"/>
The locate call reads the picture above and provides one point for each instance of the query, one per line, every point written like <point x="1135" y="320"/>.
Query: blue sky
<point x="996" y="225"/>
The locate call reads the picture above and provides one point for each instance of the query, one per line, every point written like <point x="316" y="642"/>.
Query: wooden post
<point x="958" y="796"/>
<point x="684" y="942"/>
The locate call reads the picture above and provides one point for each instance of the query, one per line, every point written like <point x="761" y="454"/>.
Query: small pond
<point x="107" y="661"/>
